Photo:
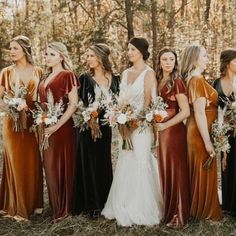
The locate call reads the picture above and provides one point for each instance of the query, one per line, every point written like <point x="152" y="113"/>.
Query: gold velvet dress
<point x="203" y="183"/>
<point x="21" y="190"/>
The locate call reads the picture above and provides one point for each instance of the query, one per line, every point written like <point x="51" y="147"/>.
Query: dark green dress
<point x="93" y="162"/>
<point x="229" y="175"/>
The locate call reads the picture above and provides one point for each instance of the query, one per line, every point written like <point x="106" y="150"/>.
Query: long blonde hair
<point x="61" y="48"/>
<point x="188" y="61"/>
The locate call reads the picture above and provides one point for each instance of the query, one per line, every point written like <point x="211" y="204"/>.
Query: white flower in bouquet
<point x="149" y="116"/>
<point x="86" y="115"/>
<point x="46" y="117"/>
<point x="17" y="104"/>
<point x="122" y="118"/>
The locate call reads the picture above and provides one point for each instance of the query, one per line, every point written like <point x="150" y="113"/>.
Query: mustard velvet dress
<point x="21" y="190"/>
<point x="203" y="183"/>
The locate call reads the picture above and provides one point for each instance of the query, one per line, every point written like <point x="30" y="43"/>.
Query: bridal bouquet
<point x="17" y="107"/>
<point x="154" y="114"/>
<point x="45" y="117"/>
<point x="219" y="134"/>
<point x="88" y="116"/>
<point x="122" y="114"/>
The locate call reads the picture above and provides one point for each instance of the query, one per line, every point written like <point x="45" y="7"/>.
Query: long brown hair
<point x="226" y="57"/>
<point x="25" y="44"/>
<point x="159" y="71"/>
<point x="102" y="53"/>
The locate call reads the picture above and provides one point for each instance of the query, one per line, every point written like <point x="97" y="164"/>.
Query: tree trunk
<point x="184" y="3"/>
<point x="207" y="11"/>
<point x="171" y="21"/>
<point x="129" y="18"/>
<point x="26" y="9"/>
<point x="154" y="32"/>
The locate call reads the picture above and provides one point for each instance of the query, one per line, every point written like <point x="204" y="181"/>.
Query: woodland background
<point x="78" y="24"/>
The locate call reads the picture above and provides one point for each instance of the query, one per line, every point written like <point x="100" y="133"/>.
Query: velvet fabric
<point x="172" y="153"/>
<point x="59" y="158"/>
<point x="228" y="176"/>
<point x="21" y="190"/>
<point x="93" y="161"/>
<point x="203" y="182"/>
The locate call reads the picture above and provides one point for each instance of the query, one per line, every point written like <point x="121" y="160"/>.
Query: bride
<point x="135" y="195"/>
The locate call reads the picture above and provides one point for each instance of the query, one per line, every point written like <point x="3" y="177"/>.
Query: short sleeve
<point x="70" y="81"/>
<point x="180" y="87"/>
<point x="197" y="88"/>
<point x="39" y="72"/>
<point x="4" y="76"/>
<point x="86" y="88"/>
<point x="115" y="86"/>
<point x="82" y="89"/>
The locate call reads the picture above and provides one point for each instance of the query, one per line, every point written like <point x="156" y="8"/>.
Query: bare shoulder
<point x="150" y="76"/>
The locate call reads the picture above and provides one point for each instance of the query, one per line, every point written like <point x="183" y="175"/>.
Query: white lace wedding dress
<point x="135" y="195"/>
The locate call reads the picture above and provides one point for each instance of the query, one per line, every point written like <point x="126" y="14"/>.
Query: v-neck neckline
<point x="131" y="84"/>
<point x="21" y="82"/>
<point x="223" y="90"/>
<point x="107" y="87"/>
<point x="51" y="80"/>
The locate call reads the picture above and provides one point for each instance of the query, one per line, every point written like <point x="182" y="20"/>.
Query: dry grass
<point x="41" y="225"/>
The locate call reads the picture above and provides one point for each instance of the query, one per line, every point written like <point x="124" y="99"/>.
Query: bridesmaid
<point x="59" y="158"/>
<point x="224" y="87"/>
<point x="21" y="191"/>
<point x="94" y="166"/>
<point x="172" y="151"/>
<point x="203" y="101"/>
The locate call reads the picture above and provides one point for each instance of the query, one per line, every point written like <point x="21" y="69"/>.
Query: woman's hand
<point x="50" y="130"/>
<point x="95" y="129"/>
<point x="3" y="106"/>
<point x="160" y="126"/>
<point x="224" y="162"/>
<point x="210" y="149"/>
<point x="125" y="132"/>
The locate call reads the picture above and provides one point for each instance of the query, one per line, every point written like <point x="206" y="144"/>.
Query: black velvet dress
<point x="229" y="175"/>
<point x="93" y="162"/>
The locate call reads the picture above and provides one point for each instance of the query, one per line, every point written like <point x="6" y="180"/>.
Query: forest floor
<point x="41" y="224"/>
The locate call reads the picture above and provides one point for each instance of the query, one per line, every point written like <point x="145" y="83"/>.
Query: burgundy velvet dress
<point x="172" y="153"/>
<point x="59" y="158"/>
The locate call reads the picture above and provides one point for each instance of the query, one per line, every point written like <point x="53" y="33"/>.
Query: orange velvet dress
<point x="21" y="190"/>
<point x="203" y="183"/>
<point x="59" y="158"/>
<point x="172" y="153"/>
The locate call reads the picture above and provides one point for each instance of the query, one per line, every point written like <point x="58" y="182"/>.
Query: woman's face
<point x="92" y="60"/>
<point x="232" y="66"/>
<point x="202" y="59"/>
<point x="16" y="51"/>
<point x="167" y="62"/>
<point x="53" y="58"/>
<point x="133" y="53"/>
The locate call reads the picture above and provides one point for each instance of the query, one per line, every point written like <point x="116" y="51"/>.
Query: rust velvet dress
<point x="203" y="183"/>
<point x="59" y="158"/>
<point x="21" y="190"/>
<point x="172" y="153"/>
